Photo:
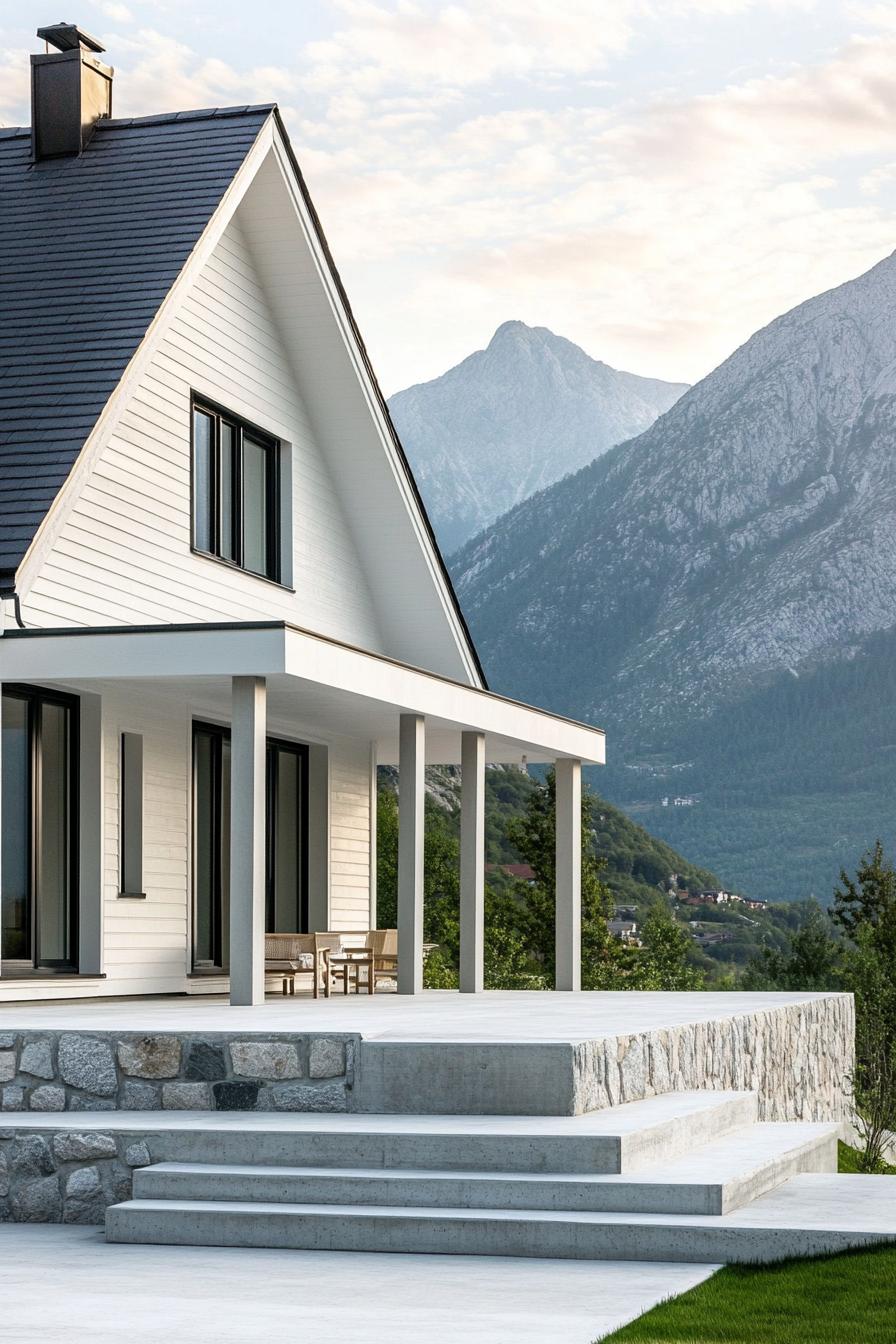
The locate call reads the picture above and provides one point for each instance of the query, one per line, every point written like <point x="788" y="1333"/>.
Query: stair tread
<point x="734" y="1155"/>
<point x="812" y="1201"/>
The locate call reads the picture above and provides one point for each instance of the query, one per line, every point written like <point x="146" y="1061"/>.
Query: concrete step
<point x="713" y="1179"/>
<point x="809" y="1215"/>
<point x="624" y="1138"/>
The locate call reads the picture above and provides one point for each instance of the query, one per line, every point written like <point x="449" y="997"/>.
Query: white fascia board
<point x="109" y="418"/>
<point x="374" y="406"/>
<point x="412" y="690"/>
<point x="203" y="651"/>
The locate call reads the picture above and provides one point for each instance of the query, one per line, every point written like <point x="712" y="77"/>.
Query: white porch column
<point x="568" y="937"/>
<point x="411" y="792"/>
<point x="472" y="862"/>
<point x="247" y="839"/>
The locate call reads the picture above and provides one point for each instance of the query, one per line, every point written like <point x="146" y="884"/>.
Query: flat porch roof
<point x="311" y="680"/>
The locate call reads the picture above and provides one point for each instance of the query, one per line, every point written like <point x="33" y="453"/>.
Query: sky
<point x="653" y="179"/>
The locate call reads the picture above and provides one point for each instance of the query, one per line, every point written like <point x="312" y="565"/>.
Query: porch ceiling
<point x="317" y="687"/>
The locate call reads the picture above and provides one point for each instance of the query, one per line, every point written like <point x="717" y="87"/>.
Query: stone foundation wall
<point x="65" y="1177"/>
<point x="798" y="1057"/>
<point x="109" y="1071"/>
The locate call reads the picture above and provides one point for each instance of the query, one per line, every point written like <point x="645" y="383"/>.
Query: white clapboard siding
<point x="147" y="942"/>
<point x="122" y="555"/>
<point x="350" y="820"/>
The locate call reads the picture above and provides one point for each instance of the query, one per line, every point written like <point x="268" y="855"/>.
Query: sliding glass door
<point x="286" y="848"/>
<point x="38" y="858"/>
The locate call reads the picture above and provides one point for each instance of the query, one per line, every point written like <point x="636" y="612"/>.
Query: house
<point x="520" y="872"/>
<point x="221" y="602"/>
<point x="626" y="930"/>
<point x="716" y="897"/>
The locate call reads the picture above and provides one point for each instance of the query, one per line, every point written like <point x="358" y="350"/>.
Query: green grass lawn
<point x="837" y="1299"/>
<point x="848" y="1161"/>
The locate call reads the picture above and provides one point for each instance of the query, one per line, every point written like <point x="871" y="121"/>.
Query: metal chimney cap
<point x="69" y="37"/>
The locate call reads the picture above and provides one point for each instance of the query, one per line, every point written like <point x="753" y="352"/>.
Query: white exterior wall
<point x="350" y="821"/>
<point x="147" y="944"/>
<point x="122" y="555"/>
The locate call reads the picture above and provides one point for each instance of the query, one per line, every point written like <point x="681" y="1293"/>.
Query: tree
<point x="870" y="898"/>
<point x="534" y="836"/>
<point x="865" y="907"/>
<point x="874" y="1081"/>
<point x="665" y="955"/>
<point x="810" y="961"/>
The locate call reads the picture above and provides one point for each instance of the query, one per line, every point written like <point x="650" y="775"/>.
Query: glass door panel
<point x="53" y="855"/>
<point x="38" y="886"/>
<point x="286" y="843"/>
<point x="15" y="790"/>
<point x="286" y="895"/>
<point x="211" y="847"/>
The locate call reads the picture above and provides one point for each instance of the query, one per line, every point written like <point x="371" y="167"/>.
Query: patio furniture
<point x="383" y="944"/>
<point x="287" y="955"/>
<point x="344" y="962"/>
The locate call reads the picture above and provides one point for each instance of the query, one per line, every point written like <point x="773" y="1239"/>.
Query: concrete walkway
<point x="58" y="1284"/>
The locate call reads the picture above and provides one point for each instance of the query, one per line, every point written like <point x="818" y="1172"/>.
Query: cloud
<point x="14" y="86"/>
<point x="519" y="158"/>
<point x="156" y="73"/>
<point x="118" y="13"/>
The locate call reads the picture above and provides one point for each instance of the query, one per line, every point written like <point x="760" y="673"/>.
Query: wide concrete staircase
<point x="686" y="1176"/>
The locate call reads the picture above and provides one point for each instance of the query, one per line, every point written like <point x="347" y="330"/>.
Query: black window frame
<point x="218" y="544"/>
<point x="131" y="820"/>
<point x="35" y="697"/>
<point x="219" y="734"/>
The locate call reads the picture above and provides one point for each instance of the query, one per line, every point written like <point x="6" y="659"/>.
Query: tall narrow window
<point x="131" y="815"/>
<point x="235" y="492"/>
<point x="38" y="869"/>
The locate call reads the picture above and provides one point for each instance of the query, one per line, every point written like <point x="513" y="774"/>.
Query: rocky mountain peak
<point x="512" y="418"/>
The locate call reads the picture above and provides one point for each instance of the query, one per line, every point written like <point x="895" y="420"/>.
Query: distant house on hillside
<point x="520" y="872"/>
<point x="716" y="896"/>
<point x="626" y="930"/>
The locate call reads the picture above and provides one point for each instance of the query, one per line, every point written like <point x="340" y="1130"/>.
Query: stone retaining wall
<point x="65" y="1177"/>
<point x="797" y="1057"/>
<point x="108" y="1071"/>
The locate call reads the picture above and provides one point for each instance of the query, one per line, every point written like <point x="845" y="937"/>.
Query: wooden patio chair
<point x="383" y="943"/>
<point x="325" y="944"/>
<point x="287" y="955"/>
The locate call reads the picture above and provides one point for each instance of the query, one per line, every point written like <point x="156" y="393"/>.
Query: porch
<point x="259" y="683"/>
<point x="440" y="1052"/>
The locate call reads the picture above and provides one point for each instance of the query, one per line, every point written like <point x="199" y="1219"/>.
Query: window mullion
<point x="238" y="544"/>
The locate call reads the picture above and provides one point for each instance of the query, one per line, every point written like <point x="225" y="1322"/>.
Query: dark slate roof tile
<point x="89" y="248"/>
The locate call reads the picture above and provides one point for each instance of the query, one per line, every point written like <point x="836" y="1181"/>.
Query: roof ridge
<point x="162" y="118"/>
<point x="197" y="114"/>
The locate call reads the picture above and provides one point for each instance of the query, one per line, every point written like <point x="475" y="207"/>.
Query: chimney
<point x="70" y="91"/>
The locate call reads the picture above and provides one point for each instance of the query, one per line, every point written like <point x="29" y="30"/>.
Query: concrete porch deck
<point x="499" y="1053"/>
<point x="435" y="1015"/>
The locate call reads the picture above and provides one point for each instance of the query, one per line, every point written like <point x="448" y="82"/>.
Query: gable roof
<point x="89" y="248"/>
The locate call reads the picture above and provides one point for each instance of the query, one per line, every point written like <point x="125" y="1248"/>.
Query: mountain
<point x="720" y="594"/>
<point x="513" y="418"/>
